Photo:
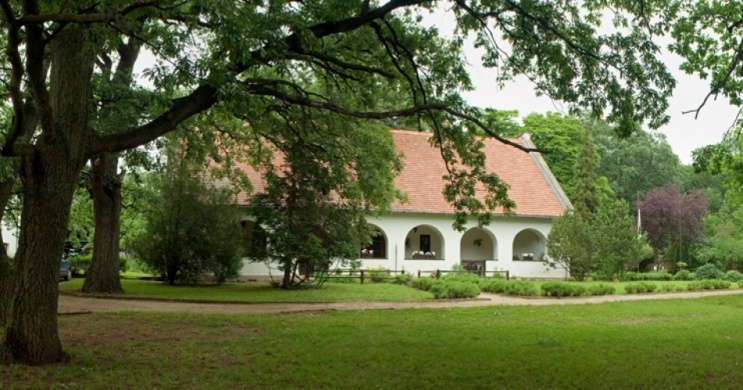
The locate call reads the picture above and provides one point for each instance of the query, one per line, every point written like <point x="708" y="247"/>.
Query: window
<point x="425" y="246"/>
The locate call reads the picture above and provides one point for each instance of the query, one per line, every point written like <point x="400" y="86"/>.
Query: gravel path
<point x="73" y="304"/>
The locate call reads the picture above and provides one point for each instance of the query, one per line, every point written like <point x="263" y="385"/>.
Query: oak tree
<point x="253" y="60"/>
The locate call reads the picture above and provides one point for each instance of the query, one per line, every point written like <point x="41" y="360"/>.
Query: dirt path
<point x="71" y="304"/>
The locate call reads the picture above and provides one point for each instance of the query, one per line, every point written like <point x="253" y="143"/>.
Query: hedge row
<point x="81" y="263"/>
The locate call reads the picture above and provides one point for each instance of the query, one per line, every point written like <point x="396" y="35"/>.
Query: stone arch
<point x="529" y="245"/>
<point x="378" y="248"/>
<point x="424" y="242"/>
<point x="255" y="241"/>
<point x="478" y="244"/>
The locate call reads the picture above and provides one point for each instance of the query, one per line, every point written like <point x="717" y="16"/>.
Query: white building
<point x="418" y="234"/>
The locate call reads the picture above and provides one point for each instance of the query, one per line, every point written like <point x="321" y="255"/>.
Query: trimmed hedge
<point x="453" y="289"/>
<point x="516" y="287"/>
<point x="639" y="288"/>
<point x="424" y="284"/>
<point x="559" y="289"/>
<point x="81" y="263"/>
<point x="646" y="276"/>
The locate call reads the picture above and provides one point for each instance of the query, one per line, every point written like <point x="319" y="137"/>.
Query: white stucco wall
<point x="451" y="246"/>
<point x="11" y="239"/>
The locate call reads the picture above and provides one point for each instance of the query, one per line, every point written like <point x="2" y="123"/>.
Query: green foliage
<point x="684" y="275"/>
<point x="708" y="271"/>
<point x="81" y="263"/>
<point x="560" y="137"/>
<point x="463" y="276"/>
<point x="708" y="284"/>
<point x="378" y="275"/>
<point x="453" y="289"/>
<point x="619" y="247"/>
<point x="650" y="276"/>
<point x="635" y="164"/>
<point x="313" y="207"/>
<point x="601" y="289"/>
<point x="424" y="284"/>
<point x="509" y="287"/>
<point x="571" y="244"/>
<point x="585" y="198"/>
<point x="404" y="279"/>
<point x="191" y="228"/>
<point x="733" y="276"/>
<point x="561" y="289"/>
<point x="639" y="288"/>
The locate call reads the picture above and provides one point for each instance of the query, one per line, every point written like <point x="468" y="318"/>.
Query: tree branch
<point x="85" y="18"/>
<point x="306" y="102"/>
<point x="720" y="84"/>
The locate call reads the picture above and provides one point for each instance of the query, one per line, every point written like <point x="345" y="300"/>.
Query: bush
<point x="402" y="279"/>
<point x="560" y="289"/>
<point x="517" y="288"/>
<point x="733" y="276"/>
<point x="708" y="271"/>
<point x="453" y="289"/>
<point x="667" y="287"/>
<point x="522" y="289"/>
<point x="601" y="289"/>
<point x="684" y="275"/>
<point x="377" y="275"/>
<point x="466" y="277"/>
<point x="422" y="283"/>
<point x="647" y="276"/>
<point x="495" y="286"/>
<point x="639" y="288"/>
<point x="80" y="264"/>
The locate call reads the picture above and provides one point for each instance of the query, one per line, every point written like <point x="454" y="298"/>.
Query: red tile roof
<point x="534" y="190"/>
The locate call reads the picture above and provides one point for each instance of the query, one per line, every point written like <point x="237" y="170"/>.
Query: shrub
<point x="639" y="288"/>
<point x="646" y="276"/>
<point x="667" y="287"/>
<point x="495" y="286"/>
<point x="733" y="276"/>
<point x="631" y="276"/>
<point x="601" y="289"/>
<point x="378" y="275"/>
<point x="708" y="271"/>
<point x="522" y="289"/>
<point x="402" y="279"/>
<point x="453" y="289"/>
<point x="684" y="275"/>
<point x="516" y="287"/>
<point x="80" y="264"/>
<point x="560" y="289"/>
<point x="465" y="277"/>
<point x="422" y="283"/>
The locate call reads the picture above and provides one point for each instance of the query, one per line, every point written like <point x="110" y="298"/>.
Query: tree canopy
<point x="234" y="68"/>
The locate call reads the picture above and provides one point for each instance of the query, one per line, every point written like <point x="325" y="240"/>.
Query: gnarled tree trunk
<point x="49" y="175"/>
<point x="103" y="274"/>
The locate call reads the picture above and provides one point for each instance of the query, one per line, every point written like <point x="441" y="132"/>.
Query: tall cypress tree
<point x="586" y="200"/>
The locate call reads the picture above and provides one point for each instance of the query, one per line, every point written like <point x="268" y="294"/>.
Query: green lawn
<point x="263" y="292"/>
<point x="668" y="344"/>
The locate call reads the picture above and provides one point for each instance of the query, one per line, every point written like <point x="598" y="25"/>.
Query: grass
<point x="680" y="344"/>
<point x="263" y="292"/>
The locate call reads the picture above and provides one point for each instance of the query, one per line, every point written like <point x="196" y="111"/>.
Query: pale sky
<point x="683" y="132"/>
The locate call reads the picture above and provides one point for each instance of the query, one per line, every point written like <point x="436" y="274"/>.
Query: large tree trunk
<point x="103" y="274"/>
<point x="49" y="177"/>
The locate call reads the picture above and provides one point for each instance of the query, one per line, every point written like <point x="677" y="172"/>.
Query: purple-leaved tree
<point x="669" y="216"/>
